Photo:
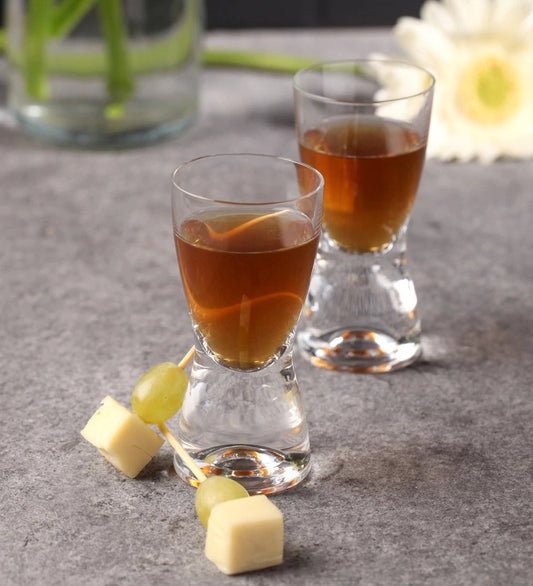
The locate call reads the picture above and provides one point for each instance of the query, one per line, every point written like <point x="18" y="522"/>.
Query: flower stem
<point x="119" y="75"/>
<point x="35" y="38"/>
<point x="67" y="14"/>
<point x="163" y="55"/>
<point x="274" y="62"/>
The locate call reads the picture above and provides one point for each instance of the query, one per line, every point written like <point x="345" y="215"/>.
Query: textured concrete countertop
<point x="419" y="477"/>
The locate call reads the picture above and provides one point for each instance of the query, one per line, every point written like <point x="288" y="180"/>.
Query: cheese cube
<point x="122" y="437"/>
<point x="245" y="535"/>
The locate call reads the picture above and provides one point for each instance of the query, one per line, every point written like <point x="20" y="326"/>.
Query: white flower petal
<point x="524" y="25"/>
<point x="520" y="149"/>
<point x="422" y="41"/>
<point x="470" y="15"/>
<point x="481" y="53"/>
<point x="510" y="13"/>
<point x="437" y="15"/>
<point x="487" y="153"/>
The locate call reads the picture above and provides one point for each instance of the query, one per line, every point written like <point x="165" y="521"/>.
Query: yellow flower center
<point x="489" y="90"/>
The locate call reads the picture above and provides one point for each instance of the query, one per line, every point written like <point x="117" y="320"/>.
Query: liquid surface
<point x="246" y="277"/>
<point x="371" y="170"/>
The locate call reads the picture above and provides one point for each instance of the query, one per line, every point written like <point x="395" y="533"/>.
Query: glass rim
<point x="279" y="158"/>
<point x="362" y="61"/>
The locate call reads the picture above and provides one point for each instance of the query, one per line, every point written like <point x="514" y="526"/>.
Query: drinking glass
<point x="364" y="125"/>
<point x="246" y="229"/>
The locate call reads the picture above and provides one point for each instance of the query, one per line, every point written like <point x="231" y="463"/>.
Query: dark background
<point x="302" y="13"/>
<point x="307" y="13"/>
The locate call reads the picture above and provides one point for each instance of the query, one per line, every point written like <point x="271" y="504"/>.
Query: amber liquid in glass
<point x="371" y="168"/>
<point x="246" y="278"/>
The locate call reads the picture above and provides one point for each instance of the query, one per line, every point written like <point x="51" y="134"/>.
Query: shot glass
<point x="246" y="229"/>
<point x="363" y="125"/>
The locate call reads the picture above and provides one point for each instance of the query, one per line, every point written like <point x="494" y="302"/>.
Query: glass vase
<point x="103" y="73"/>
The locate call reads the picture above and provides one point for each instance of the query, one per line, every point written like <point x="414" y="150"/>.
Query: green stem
<point x="175" y="48"/>
<point x="274" y="62"/>
<point x="162" y="54"/>
<point x="119" y="74"/>
<point x="37" y="19"/>
<point x="167" y="53"/>
<point x="67" y="14"/>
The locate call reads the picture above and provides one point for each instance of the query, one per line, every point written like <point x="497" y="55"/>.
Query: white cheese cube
<point x="122" y="437"/>
<point x="245" y="535"/>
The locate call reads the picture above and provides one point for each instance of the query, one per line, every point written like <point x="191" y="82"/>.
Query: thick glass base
<point x="84" y="125"/>
<point x="248" y="426"/>
<point x="358" y="350"/>
<point x="361" y="312"/>
<point x="260" y="470"/>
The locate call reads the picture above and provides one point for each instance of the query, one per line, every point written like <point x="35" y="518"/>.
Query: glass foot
<point x="260" y="470"/>
<point x="361" y="311"/>
<point x="247" y="425"/>
<point x="357" y="350"/>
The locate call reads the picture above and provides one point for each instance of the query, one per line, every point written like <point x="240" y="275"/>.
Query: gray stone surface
<point x="419" y="477"/>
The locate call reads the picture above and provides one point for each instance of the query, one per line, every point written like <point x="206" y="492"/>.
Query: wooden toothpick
<point x="176" y="445"/>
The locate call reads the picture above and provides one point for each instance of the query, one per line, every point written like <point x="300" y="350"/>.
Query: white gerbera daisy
<point x="481" y="54"/>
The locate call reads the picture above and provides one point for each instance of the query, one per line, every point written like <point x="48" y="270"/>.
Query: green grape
<point x="214" y="490"/>
<point x="159" y="393"/>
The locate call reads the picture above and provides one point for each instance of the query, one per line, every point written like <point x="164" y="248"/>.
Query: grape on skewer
<point x="126" y="439"/>
<point x="243" y="534"/>
<point x="157" y="397"/>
